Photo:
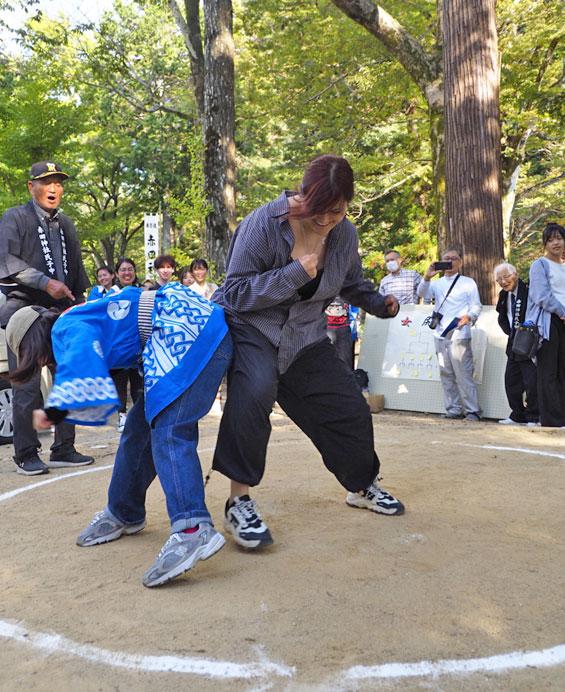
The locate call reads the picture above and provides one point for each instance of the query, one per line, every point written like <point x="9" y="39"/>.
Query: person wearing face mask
<point x="40" y="264"/>
<point x="520" y="376"/>
<point x="401" y="283"/>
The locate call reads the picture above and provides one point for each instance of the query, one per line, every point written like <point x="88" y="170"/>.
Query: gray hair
<point x="504" y="266"/>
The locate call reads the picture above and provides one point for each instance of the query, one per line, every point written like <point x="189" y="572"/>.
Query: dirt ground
<point x="473" y="571"/>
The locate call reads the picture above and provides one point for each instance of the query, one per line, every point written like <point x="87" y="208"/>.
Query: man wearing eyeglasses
<point x="456" y="298"/>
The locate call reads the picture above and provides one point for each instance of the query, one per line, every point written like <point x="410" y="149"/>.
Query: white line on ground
<point x="515" y="660"/>
<point x="524" y="450"/>
<point x="56" y="643"/>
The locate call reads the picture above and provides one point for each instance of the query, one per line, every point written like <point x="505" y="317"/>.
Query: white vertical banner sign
<point x="151" y="241"/>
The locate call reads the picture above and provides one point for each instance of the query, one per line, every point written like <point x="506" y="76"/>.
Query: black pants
<point x="27" y="397"/>
<point x="521" y="376"/>
<point x="551" y="376"/>
<point x="121" y="378"/>
<point x="318" y="392"/>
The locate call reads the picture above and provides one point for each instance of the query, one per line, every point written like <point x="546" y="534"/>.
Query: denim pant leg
<point x="133" y="468"/>
<point x="174" y="439"/>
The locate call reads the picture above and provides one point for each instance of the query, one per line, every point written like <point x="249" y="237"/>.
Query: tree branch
<point x="421" y="66"/>
<point x="539" y="186"/>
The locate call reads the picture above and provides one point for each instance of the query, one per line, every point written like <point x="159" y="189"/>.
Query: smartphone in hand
<point x="440" y="266"/>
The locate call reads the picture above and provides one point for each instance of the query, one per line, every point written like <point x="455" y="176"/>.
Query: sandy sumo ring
<point x="53" y="643"/>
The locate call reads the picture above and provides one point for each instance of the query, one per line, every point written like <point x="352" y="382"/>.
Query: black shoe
<point x="69" y="459"/>
<point x="32" y="466"/>
<point x="243" y="521"/>
<point x="473" y="417"/>
<point x="453" y="416"/>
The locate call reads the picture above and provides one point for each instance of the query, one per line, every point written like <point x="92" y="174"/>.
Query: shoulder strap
<point x="449" y="291"/>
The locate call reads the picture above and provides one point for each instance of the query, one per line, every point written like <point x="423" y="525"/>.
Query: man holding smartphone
<point x="456" y="299"/>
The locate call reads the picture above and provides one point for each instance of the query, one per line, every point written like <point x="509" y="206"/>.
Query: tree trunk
<point x="472" y="138"/>
<point x="189" y="26"/>
<point x="437" y="145"/>
<point x="219" y="119"/>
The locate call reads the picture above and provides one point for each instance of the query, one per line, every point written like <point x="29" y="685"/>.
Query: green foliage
<point x="114" y="105"/>
<point x="315" y="82"/>
<point x="532" y="107"/>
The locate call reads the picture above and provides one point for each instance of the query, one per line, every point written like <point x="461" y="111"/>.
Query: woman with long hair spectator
<point x="126" y="272"/>
<point x="199" y="270"/>
<point x="546" y="308"/>
<point x="286" y="263"/>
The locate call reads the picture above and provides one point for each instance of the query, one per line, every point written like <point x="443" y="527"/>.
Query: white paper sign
<point x="151" y="241"/>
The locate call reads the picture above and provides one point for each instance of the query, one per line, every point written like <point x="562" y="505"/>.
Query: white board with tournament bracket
<point x="399" y="356"/>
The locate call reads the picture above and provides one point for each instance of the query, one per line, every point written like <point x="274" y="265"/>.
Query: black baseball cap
<point x="43" y="169"/>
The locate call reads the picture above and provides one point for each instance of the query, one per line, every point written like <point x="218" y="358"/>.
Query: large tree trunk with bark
<point x="219" y="119"/>
<point x="212" y="74"/>
<point x="425" y="69"/>
<point x="472" y="138"/>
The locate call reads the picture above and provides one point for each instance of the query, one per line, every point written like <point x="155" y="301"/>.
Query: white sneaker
<point x="121" y="421"/>
<point x="376" y="499"/>
<point x="509" y="421"/>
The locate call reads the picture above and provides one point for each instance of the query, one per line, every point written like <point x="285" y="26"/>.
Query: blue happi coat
<point x="94" y="337"/>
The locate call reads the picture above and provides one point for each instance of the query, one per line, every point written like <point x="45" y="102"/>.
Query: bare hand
<point x="463" y="321"/>
<point x="58" y="290"/>
<point x="392" y="305"/>
<point x="430" y="272"/>
<point x="310" y="264"/>
<point x="40" y="420"/>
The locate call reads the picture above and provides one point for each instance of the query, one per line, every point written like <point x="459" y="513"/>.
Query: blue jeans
<point x="168" y="449"/>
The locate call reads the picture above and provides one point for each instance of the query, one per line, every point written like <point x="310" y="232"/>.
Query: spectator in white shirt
<point x="400" y="283"/>
<point x="459" y="311"/>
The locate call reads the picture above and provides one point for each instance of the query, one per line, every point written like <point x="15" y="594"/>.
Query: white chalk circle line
<point x="516" y="660"/>
<point x="524" y="450"/>
<point x="56" y="643"/>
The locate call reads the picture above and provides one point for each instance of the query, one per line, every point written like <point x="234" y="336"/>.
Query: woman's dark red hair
<point x="328" y="180"/>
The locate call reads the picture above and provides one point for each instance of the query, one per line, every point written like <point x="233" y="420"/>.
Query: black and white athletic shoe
<point x="376" y="499"/>
<point x="243" y="521"/>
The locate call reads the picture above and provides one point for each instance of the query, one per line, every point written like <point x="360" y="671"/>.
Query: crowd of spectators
<point x="290" y="281"/>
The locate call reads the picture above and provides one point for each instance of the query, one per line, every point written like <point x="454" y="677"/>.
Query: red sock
<point x="194" y="529"/>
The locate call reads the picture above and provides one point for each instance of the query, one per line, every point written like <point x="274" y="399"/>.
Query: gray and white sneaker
<point x="376" y="499"/>
<point x="243" y="520"/>
<point x="104" y="528"/>
<point x="181" y="552"/>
